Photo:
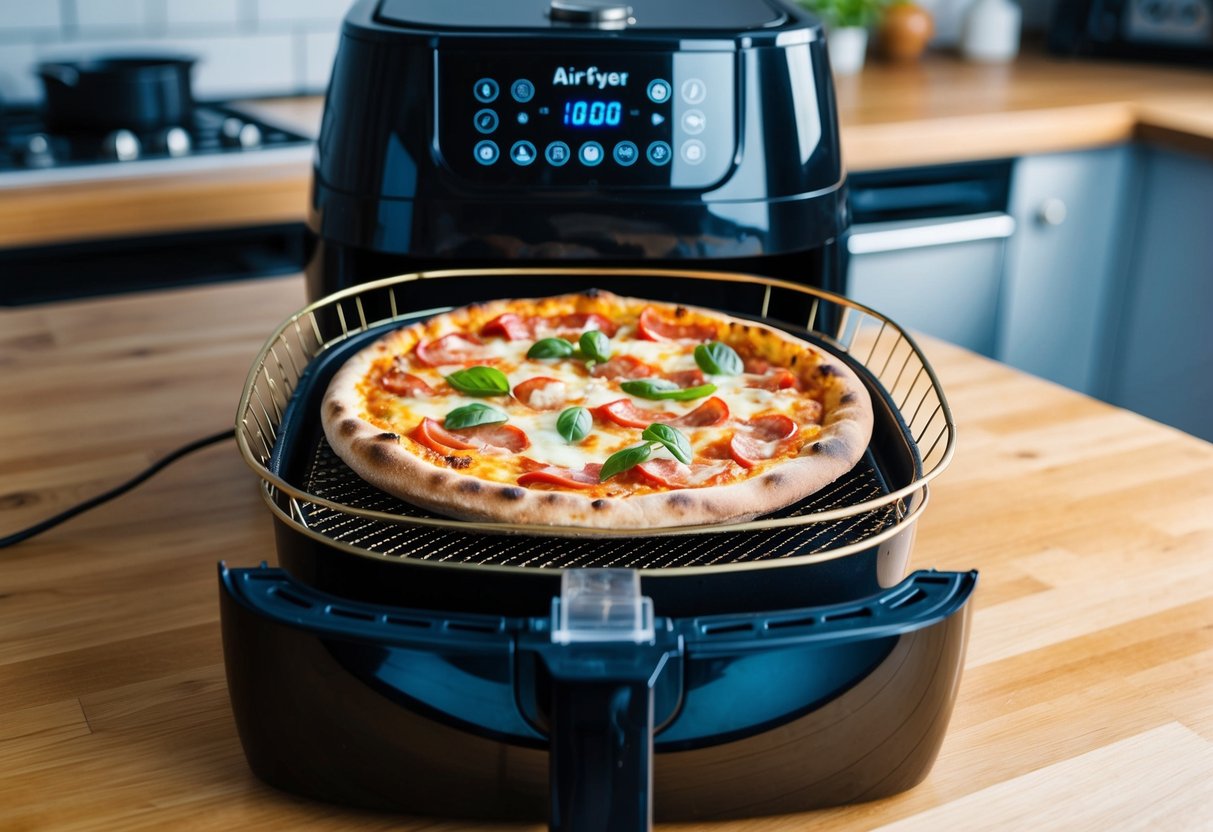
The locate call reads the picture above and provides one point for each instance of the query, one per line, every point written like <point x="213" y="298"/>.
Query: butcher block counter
<point x="1086" y="703"/>
<point x="893" y="115"/>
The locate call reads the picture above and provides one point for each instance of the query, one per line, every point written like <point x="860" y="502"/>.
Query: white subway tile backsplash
<point x="17" y="80"/>
<point x="18" y="16"/>
<point x="185" y="13"/>
<point x="319" y="48"/>
<point x="103" y="17"/>
<point x="298" y="11"/>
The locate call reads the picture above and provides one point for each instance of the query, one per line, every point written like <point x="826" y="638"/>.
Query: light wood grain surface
<point x="1087" y="702"/>
<point x="935" y="111"/>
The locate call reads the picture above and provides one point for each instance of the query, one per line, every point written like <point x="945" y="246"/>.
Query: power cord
<point x="147" y="473"/>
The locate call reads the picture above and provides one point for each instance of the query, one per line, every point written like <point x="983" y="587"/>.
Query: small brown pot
<point x="905" y="31"/>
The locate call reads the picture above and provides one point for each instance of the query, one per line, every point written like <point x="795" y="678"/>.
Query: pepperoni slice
<point x="712" y="412"/>
<point x="760" y="439"/>
<point x="687" y="378"/>
<point x="622" y="366"/>
<point x="506" y="437"/>
<point x="653" y="327"/>
<point x="581" y="321"/>
<point x="400" y="383"/>
<point x="456" y="348"/>
<point x="587" y="477"/>
<point x="438" y="439"/>
<point x="623" y="412"/>
<point x="510" y="326"/>
<point x="777" y="380"/>
<point x="551" y="393"/>
<point x="670" y="473"/>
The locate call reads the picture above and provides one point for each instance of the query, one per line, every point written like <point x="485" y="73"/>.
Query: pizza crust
<point x="382" y="459"/>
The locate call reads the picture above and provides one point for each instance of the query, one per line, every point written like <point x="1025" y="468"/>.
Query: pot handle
<point x="60" y="72"/>
<point x="603" y="660"/>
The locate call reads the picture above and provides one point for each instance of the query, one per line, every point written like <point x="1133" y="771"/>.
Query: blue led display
<point x="593" y="113"/>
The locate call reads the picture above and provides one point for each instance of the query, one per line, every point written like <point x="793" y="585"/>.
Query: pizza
<point x="596" y="411"/>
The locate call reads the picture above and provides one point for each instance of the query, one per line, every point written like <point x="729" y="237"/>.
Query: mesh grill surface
<point x="332" y="479"/>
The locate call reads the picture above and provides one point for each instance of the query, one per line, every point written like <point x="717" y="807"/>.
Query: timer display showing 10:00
<point x="593" y="113"/>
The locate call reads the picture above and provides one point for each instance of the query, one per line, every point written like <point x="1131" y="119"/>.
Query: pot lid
<point x="723" y="16"/>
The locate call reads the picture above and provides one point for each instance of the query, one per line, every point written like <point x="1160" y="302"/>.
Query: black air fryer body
<point x="679" y="133"/>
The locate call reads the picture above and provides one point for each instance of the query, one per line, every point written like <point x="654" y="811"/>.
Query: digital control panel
<point x="570" y="120"/>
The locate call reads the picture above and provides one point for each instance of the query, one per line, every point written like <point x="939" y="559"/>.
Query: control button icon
<point x="522" y="90"/>
<point x="659" y="91"/>
<point x="486" y="121"/>
<point x="485" y="90"/>
<point x="626" y="153"/>
<point x="590" y="154"/>
<point x="693" y="122"/>
<point x="523" y="153"/>
<point x="557" y="154"/>
<point x="693" y="151"/>
<point x="657" y="119"/>
<point x="659" y="153"/>
<point x="694" y="91"/>
<point x="486" y="152"/>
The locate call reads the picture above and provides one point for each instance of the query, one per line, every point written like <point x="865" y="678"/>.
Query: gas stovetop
<point x="217" y="136"/>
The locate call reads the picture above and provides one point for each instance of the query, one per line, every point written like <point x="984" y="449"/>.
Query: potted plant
<point x="847" y="23"/>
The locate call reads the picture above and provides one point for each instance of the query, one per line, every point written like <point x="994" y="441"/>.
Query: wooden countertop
<point x="1087" y="701"/>
<point x="939" y="110"/>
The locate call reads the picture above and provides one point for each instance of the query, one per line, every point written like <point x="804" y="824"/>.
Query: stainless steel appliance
<point x="1178" y="31"/>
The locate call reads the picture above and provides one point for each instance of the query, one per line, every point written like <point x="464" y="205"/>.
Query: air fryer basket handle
<point x="601" y="730"/>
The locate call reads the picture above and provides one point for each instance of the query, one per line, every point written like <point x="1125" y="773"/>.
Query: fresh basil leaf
<point x="595" y="345"/>
<point x="473" y="414"/>
<point x="660" y="388"/>
<point x="480" y="381"/>
<point x="621" y="461"/>
<point x="718" y="359"/>
<point x="574" y="423"/>
<point x="550" y="348"/>
<point x="674" y="441"/>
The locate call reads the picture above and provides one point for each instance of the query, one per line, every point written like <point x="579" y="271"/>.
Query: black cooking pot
<point x="140" y="93"/>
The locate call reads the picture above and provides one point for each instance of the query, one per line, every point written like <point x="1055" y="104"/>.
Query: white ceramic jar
<point x="990" y="32"/>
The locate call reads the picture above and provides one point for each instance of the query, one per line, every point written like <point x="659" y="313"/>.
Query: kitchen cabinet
<point x="1064" y="261"/>
<point x="1160" y="350"/>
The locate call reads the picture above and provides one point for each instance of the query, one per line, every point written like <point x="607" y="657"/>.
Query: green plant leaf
<point x="480" y="381"/>
<point x="550" y="348"/>
<point x="621" y="461"/>
<point x="595" y="345"/>
<point x="660" y="388"/>
<point x="473" y="414"/>
<point x="672" y="439"/>
<point x="574" y="423"/>
<point x="718" y="359"/>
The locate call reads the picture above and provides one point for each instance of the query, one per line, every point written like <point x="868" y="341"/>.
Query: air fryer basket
<point x="342" y="535"/>
<point x="404" y="660"/>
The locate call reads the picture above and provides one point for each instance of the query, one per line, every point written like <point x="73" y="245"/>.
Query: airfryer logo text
<point x="592" y="77"/>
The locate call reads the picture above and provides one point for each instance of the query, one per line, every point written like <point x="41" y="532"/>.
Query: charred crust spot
<point x="827" y="370"/>
<point x="511" y="493"/>
<point x="437" y="478"/>
<point x="336" y="408"/>
<point x="551" y="497"/>
<point x="795" y="356"/>
<point x="388" y="437"/>
<point x="378" y="454"/>
<point x="591" y="293"/>
<point x="680" y="312"/>
<point x="598" y="505"/>
<point x="679" y="500"/>
<point x="348" y="427"/>
<point x="458" y="461"/>
<point x="468" y="486"/>
<point x="773" y="479"/>
<point x="847" y="398"/>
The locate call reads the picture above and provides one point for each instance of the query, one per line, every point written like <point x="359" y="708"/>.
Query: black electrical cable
<point x="147" y="473"/>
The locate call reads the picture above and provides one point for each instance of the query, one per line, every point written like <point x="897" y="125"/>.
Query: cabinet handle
<point x="881" y="237"/>
<point x="1051" y="212"/>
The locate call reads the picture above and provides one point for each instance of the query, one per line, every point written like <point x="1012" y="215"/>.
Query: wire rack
<point x="331" y="503"/>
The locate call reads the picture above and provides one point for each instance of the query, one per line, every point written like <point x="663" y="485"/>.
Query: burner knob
<point x="237" y="133"/>
<point x="37" y="152"/>
<point x="122" y="145"/>
<point x="175" y="141"/>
